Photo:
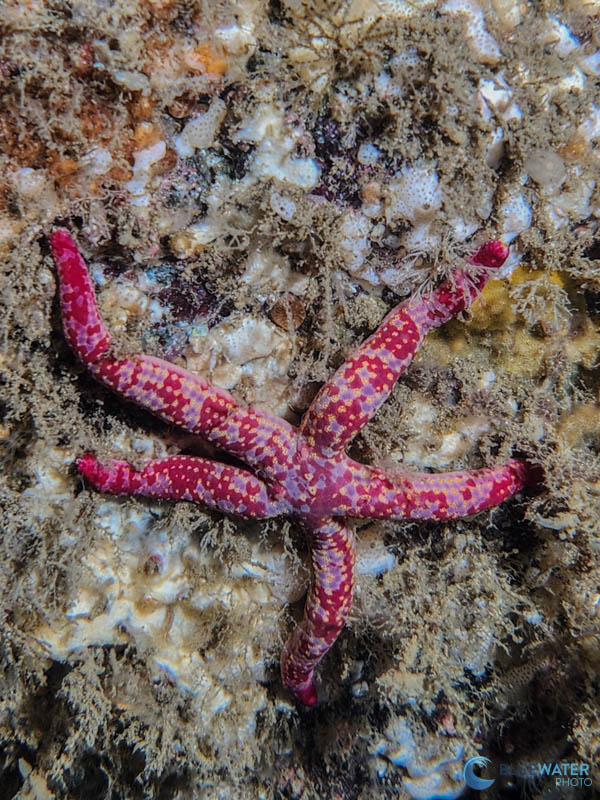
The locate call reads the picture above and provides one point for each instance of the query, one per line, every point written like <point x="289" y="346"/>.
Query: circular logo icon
<point x="472" y="780"/>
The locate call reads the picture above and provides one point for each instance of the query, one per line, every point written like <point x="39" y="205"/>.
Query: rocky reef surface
<point x="255" y="184"/>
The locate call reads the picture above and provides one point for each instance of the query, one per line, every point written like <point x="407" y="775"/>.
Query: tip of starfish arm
<point x="59" y="236"/>
<point x="307" y="696"/>
<point x="491" y="254"/>
<point x="89" y="466"/>
<point x="61" y="243"/>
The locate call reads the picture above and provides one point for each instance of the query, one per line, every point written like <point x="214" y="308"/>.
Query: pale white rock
<point x="408" y="59"/>
<point x="483" y="43"/>
<point x="51" y="470"/>
<point x="194" y="238"/>
<point x="35" y="193"/>
<point x="392" y="276"/>
<point x="546" y="168"/>
<point x="495" y="150"/>
<point x="434" y="767"/>
<point x="534" y="617"/>
<point x="424" y="447"/>
<point x="143" y="586"/>
<point x="138" y="186"/>
<point x="475" y="648"/>
<point x="486" y="203"/>
<point x="496" y="95"/>
<point x="421" y="239"/>
<point x="415" y="196"/>
<point x="282" y="205"/>
<point x="129" y="523"/>
<point x="558" y="34"/>
<point x="354" y="240"/>
<point x="462" y="228"/>
<point x="275" y="571"/>
<point x="372" y="556"/>
<point x="573" y="204"/>
<point x="575" y="81"/>
<point x="373" y="210"/>
<point x="366" y="275"/>
<point x="590" y="129"/>
<point x="224" y="375"/>
<point x="248" y="347"/>
<point x="252" y="337"/>
<point x="97" y="161"/>
<point x="120" y="301"/>
<point x="510" y="12"/>
<point x="403" y="8"/>
<point x="495" y="99"/>
<point x="591" y="64"/>
<point x="515" y="215"/>
<point x="368" y="154"/>
<point x="486" y="379"/>
<point x="360" y="689"/>
<point x="199" y="133"/>
<point x="237" y="39"/>
<point x="264" y="386"/>
<point x="275" y="144"/>
<point x="386" y="87"/>
<point x="134" y="81"/>
<point x="34" y="785"/>
<point x="267" y="272"/>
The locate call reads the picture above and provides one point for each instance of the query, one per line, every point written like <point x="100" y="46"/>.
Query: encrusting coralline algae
<point x="254" y="186"/>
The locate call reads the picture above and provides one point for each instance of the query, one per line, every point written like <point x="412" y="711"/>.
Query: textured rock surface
<point x="219" y="161"/>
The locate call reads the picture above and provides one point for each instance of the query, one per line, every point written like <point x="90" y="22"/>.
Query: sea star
<point x="302" y="471"/>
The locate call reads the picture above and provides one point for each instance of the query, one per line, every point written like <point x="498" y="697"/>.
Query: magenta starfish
<point x="303" y="471"/>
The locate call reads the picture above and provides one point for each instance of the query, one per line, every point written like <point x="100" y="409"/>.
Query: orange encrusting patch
<point x="204" y="59"/>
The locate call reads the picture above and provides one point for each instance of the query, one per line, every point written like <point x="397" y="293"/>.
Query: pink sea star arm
<point x="449" y="495"/>
<point x="347" y="402"/>
<point x="327" y="606"/>
<point x="171" y="392"/>
<point x="199" y="480"/>
<point x="264" y="441"/>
